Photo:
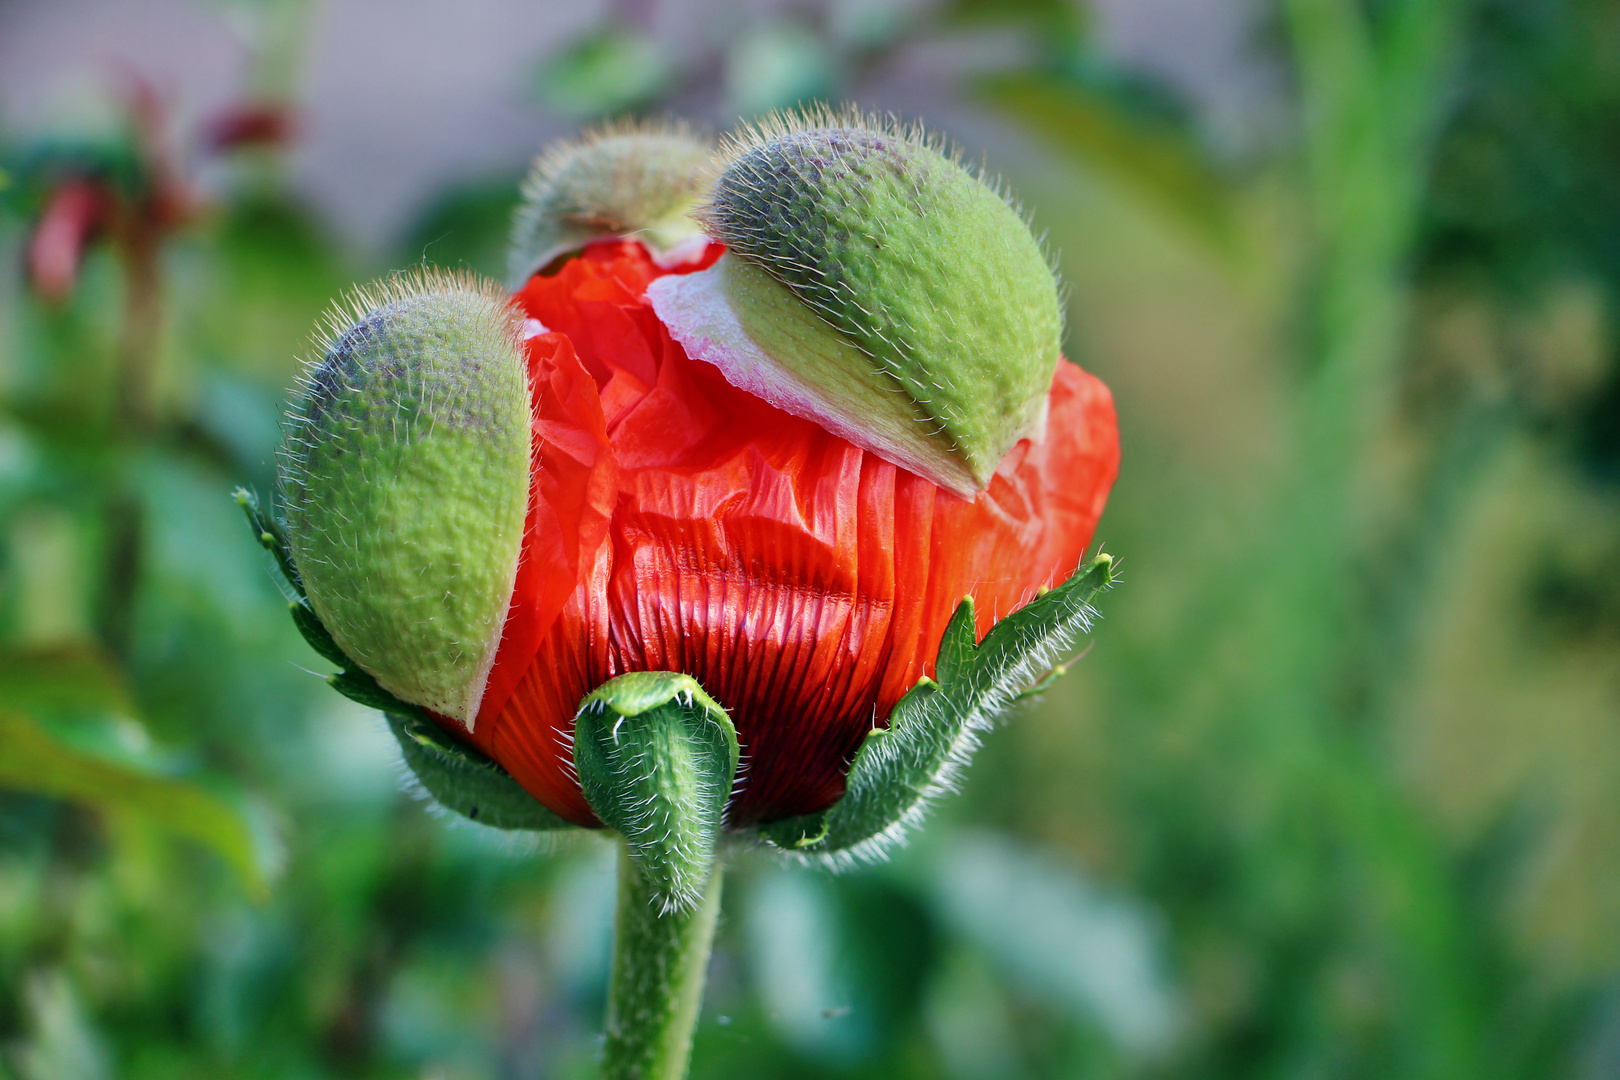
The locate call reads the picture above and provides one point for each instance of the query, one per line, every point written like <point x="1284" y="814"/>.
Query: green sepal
<point x="634" y="179"/>
<point x="462" y="779"/>
<point x="656" y="759"/>
<point x="935" y="728"/>
<point x="458" y="776"/>
<point x="928" y="323"/>
<point x="404" y="478"/>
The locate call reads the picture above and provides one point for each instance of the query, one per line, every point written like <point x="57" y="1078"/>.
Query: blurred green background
<point x="1335" y="794"/>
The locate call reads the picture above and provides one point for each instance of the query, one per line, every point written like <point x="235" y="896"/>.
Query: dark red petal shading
<point x="677" y="523"/>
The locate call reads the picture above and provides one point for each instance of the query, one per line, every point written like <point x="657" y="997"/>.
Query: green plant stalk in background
<point x="1318" y="672"/>
<point x="1373" y="98"/>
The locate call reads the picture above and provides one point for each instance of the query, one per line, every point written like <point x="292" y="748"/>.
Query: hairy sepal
<point x="455" y="775"/>
<point x="656" y="759"/>
<point x="935" y="729"/>
<point x="405" y="478"/>
<point x="923" y="267"/>
<point x="625" y="179"/>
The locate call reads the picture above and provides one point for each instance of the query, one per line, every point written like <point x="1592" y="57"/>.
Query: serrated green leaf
<point x="462" y="779"/>
<point x="935" y="728"/>
<point x="656" y="758"/>
<point x="32" y="760"/>
<point x="362" y="689"/>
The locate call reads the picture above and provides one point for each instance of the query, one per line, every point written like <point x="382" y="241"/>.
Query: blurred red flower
<point x="74" y="212"/>
<point x="251" y="123"/>
<point x="678" y="523"/>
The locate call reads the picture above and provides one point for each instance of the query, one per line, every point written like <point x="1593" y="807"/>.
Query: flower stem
<point x="659" y="964"/>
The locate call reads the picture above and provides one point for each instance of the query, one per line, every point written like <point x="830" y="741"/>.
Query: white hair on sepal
<point x="750" y="135"/>
<point x="351" y="312"/>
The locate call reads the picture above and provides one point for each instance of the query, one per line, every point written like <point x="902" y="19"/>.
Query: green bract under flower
<point x="628" y="179"/>
<point x="406" y="477"/>
<point x="874" y="285"/>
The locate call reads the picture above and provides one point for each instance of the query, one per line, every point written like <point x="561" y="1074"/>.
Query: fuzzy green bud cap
<point x="875" y="285"/>
<point x="656" y="759"/>
<point x="627" y="179"/>
<point x="405" y="478"/>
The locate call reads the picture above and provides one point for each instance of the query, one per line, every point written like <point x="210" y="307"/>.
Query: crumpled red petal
<point x="677" y="523"/>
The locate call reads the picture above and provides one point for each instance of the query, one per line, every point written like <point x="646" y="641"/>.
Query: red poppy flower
<point x="678" y="523"/>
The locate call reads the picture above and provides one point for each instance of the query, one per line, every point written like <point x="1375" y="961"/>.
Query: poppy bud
<point x="626" y="179"/>
<point x="405" y="476"/>
<point x="792" y="470"/>
<point x="666" y="520"/>
<point x="874" y="285"/>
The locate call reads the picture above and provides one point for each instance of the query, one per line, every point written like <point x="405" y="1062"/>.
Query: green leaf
<point x="776" y="66"/>
<point x="76" y="693"/>
<point x="1154" y="161"/>
<point x="32" y="760"/>
<point x="935" y="728"/>
<point x="462" y="779"/>
<point x="656" y="758"/>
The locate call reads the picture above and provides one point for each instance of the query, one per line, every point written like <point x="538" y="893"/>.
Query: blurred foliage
<point x="1150" y="157"/>
<point x="466" y="227"/>
<point x="1335" y="794"/>
<point x="80" y="685"/>
<point x="612" y="71"/>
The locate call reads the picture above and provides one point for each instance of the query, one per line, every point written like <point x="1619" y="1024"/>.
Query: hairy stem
<point x="659" y="964"/>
